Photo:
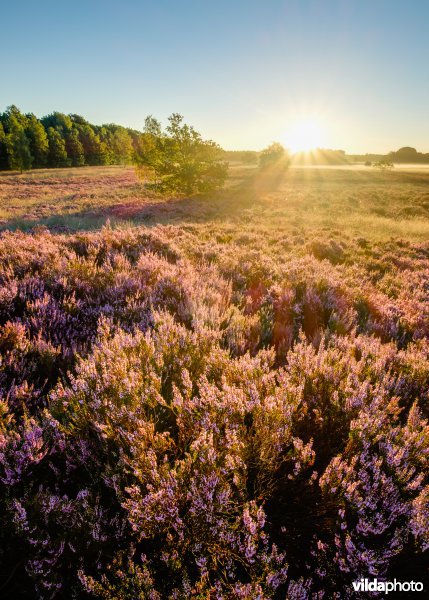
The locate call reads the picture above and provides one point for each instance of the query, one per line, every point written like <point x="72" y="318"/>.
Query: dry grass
<point x="347" y="201"/>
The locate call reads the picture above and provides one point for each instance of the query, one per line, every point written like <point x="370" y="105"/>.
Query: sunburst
<point x="305" y="135"/>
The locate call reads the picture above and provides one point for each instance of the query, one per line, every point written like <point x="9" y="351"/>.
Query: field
<point x="348" y="200"/>
<point x="213" y="397"/>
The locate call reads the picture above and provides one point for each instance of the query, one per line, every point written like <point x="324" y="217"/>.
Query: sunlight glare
<point x="304" y="135"/>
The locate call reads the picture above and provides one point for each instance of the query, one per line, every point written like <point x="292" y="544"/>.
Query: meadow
<point x="351" y="199"/>
<point x="220" y="396"/>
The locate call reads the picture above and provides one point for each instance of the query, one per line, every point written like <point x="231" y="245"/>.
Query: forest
<point x="60" y="140"/>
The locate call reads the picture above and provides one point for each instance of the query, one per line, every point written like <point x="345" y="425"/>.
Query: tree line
<point x="60" y="140"/>
<point x="404" y="155"/>
<point x="407" y="154"/>
<point x="174" y="159"/>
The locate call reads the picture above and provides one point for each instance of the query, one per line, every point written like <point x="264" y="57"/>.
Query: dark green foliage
<point x="15" y="152"/>
<point x="3" y="149"/>
<point x="39" y="145"/>
<point x="192" y="164"/>
<point x="93" y="148"/>
<point x="149" y="150"/>
<point x="72" y="142"/>
<point x="74" y="149"/>
<point x="78" y="120"/>
<point x="62" y="123"/>
<point x="57" y="149"/>
<point x="121" y="146"/>
<point x="12" y="112"/>
<point x="181" y="160"/>
<point x="18" y="147"/>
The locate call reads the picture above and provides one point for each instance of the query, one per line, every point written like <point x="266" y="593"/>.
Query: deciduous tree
<point x="18" y="146"/>
<point x="39" y="145"/>
<point x="92" y="145"/>
<point x="183" y="162"/>
<point x="74" y="149"/>
<point x="4" y="163"/>
<point x="57" y="149"/>
<point x="121" y="146"/>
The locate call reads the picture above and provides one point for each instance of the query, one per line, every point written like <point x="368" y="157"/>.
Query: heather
<point x="231" y="403"/>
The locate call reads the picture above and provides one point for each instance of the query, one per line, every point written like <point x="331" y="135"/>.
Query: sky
<point x="244" y="73"/>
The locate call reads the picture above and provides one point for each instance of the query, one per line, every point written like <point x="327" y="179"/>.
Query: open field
<point x="213" y="397"/>
<point x="356" y="201"/>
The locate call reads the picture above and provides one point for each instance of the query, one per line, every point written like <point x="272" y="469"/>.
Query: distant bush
<point x="383" y="165"/>
<point x="273" y="154"/>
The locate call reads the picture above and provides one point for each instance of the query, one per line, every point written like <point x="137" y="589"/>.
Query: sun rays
<point x="304" y="135"/>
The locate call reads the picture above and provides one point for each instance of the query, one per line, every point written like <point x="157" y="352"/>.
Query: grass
<point x="350" y="201"/>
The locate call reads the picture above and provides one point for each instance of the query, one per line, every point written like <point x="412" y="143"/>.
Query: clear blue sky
<point x="240" y="71"/>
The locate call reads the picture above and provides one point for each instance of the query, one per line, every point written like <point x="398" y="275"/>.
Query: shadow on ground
<point x="248" y="192"/>
<point x="241" y="193"/>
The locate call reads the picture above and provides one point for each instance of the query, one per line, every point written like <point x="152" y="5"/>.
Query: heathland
<point x="216" y="396"/>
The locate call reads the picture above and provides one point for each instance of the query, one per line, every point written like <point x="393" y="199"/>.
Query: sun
<point x="304" y="135"/>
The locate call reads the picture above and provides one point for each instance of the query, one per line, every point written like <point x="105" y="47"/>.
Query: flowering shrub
<point x="173" y="428"/>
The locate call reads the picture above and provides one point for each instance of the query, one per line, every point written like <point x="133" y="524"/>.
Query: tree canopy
<point x="179" y="159"/>
<point x="174" y="160"/>
<point x="18" y="146"/>
<point x="59" y="140"/>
